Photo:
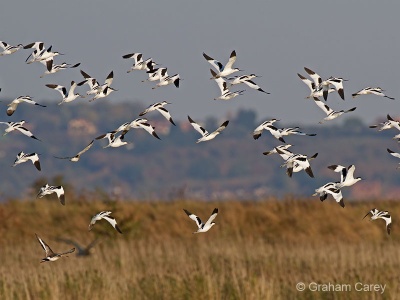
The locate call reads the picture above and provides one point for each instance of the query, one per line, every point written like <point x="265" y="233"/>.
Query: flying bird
<point x="376" y="214"/>
<point x="138" y="123"/>
<point x="23" y="157"/>
<point x="226" y="70"/>
<point x="9" y="49"/>
<point x="106" y="216"/>
<point x="206" y="136"/>
<point x="246" y="79"/>
<point x="47" y="190"/>
<point x="226" y="94"/>
<point x="390" y="123"/>
<point x="331" y="188"/>
<point x="52" y="68"/>
<point x="159" y="106"/>
<point x="18" y="126"/>
<point x="114" y="141"/>
<point x="371" y="91"/>
<point x="68" y="96"/>
<point x="76" y="157"/>
<point x="203" y="227"/>
<point x="12" y="106"/>
<point x="346" y="175"/>
<point x="330" y="113"/>
<point x="50" y="255"/>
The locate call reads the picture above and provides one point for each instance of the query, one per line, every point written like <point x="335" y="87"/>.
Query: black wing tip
<point x="215" y="211"/>
<point x="341" y="203"/>
<point x="187" y="212"/>
<point x="309" y="172"/>
<point x="390" y="151"/>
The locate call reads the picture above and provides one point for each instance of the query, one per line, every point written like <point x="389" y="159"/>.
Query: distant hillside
<point x="230" y="166"/>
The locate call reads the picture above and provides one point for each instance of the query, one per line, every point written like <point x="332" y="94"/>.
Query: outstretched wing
<point x="198" y="128"/>
<point x="212" y="217"/>
<point x="113" y="222"/>
<point x="45" y="247"/>
<point x="194" y="218"/>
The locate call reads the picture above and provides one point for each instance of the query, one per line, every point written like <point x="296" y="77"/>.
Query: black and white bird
<point x="76" y="157"/>
<point x="337" y="83"/>
<point x="223" y="71"/>
<point x="50" y="254"/>
<point x="390" y="123"/>
<point x="24" y="157"/>
<point x="246" y="79"/>
<point x="395" y="154"/>
<point x="12" y="106"/>
<point x="99" y="91"/>
<point x="43" y="55"/>
<point x="346" y="175"/>
<point x="263" y="126"/>
<point x="138" y="62"/>
<point x="38" y="48"/>
<point x="158" y="106"/>
<point x="315" y="90"/>
<point x="297" y="159"/>
<point x="47" y="190"/>
<point x="106" y="216"/>
<point x="9" y="49"/>
<point x="138" y="123"/>
<point x="167" y="80"/>
<point x="330" y="113"/>
<point x="331" y="188"/>
<point x="68" y="96"/>
<point x="226" y="94"/>
<point x="114" y="141"/>
<point x="156" y="74"/>
<point x="18" y="126"/>
<point x="203" y="227"/>
<point x="205" y="135"/>
<point x="376" y="214"/>
<point x="52" y="68"/>
<point x="371" y="91"/>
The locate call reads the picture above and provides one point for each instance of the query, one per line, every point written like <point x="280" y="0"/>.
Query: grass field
<point x="257" y="250"/>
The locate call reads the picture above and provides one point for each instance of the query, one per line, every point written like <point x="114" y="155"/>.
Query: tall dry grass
<point x="257" y="250"/>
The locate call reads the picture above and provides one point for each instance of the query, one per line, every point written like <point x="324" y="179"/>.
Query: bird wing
<point x="45" y="247"/>
<point x="85" y="149"/>
<point x="222" y="127"/>
<point x="197" y="127"/>
<point x="67" y="252"/>
<point x="212" y="217"/>
<point x="231" y="61"/>
<point x="222" y="85"/>
<point x="314" y="76"/>
<point x="308" y="82"/>
<point x="326" y="109"/>
<point x="194" y="218"/>
<point x="113" y="222"/>
<point x="215" y="63"/>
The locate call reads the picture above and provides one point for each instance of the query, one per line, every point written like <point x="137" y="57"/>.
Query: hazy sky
<point x="356" y="40"/>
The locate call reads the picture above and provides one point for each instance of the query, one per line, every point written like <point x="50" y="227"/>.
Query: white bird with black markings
<point x="52" y="68"/>
<point x="43" y="55"/>
<point x="106" y="216"/>
<point x="315" y="90"/>
<point x="330" y="113"/>
<point x="376" y="214"/>
<point x="167" y="80"/>
<point x="297" y="159"/>
<point x="50" y="254"/>
<point x="158" y="106"/>
<point x="76" y="157"/>
<point x="18" y="126"/>
<point x="114" y="141"/>
<point x="156" y="74"/>
<point x="372" y="91"/>
<point x="68" y="96"/>
<point x="246" y="79"/>
<point x="47" y="190"/>
<point x="331" y="188"/>
<point x="138" y="62"/>
<point x="24" y="157"/>
<point x="203" y="227"/>
<point x="226" y="94"/>
<point x="389" y="124"/>
<point x="395" y="154"/>
<point x="9" y="49"/>
<point x="12" y="106"/>
<point x="263" y="126"/>
<point x="205" y="135"/>
<point x="346" y="175"/>
<point x="226" y="70"/>
<point x="138" y="123"/>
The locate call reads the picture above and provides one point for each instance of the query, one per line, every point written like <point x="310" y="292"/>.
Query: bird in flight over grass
<point x="376" y="214"/>
<point x="106" y="216"/>
<point x="50" y="255"/>
<point x="47" y="190"/>
<point x="203" y="227"/>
